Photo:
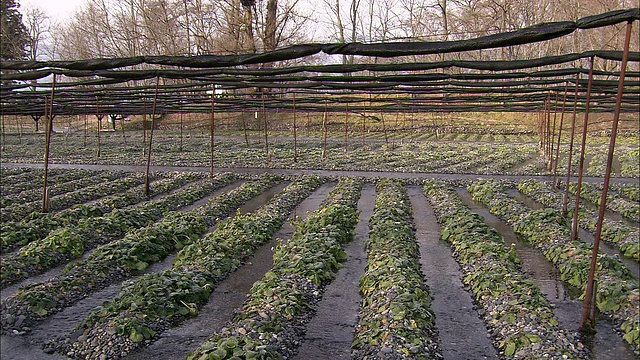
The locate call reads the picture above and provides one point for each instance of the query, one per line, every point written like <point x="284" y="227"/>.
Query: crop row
<point x="395" y="319"/>
<point x="279" y="305"/>
<point x="25" y="180"/>
<point x="73" y="240"/>
<point x="150" y="304"/>
<point x="519" y="317"/>
<point x="628" y="191"/>
<point x="18" y="212"/>
<point x="122" y="258"/>
<point x="616" y="233"/>
<point x="593" y="193"/>
<point x="59" y="189"/>
<point x="38" y="225"/>
<point x="617" y="292"/>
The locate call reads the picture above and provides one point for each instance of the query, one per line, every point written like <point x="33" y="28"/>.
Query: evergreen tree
<point x="13" y="33"/>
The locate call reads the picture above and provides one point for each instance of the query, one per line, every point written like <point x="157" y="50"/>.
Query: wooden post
<point x="588" y="308"/>
<point x="295" y="131"/>
<point x="144" y="127"/>
<point x="346" y="128"/>
<point x="565" y="199"/>
<point x="153" y="120"/>
<point x="45" y="190"/>
<point x="99" y="117"/>
<point x="574" y="228"/>
<point x="564" y="103"/>
<point x="266" y="136"/>
<point x="213" y="126"/>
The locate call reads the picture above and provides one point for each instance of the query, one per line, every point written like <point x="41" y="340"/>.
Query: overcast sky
<point x="58" y="10"/>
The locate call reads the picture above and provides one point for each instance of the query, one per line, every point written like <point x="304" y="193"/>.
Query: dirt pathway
<point x="462" y="332"/>
<point x="330" y="331"/>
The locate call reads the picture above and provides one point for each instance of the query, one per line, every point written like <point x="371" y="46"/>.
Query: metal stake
<point x="574" y="228"/>
<point x="588" y="309"/>
<point x="153" y="120"/>
<point x="565" y="199"/>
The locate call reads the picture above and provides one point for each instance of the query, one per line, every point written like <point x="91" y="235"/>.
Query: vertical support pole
<point x="181" y="127"/>
<point x="324" y="132"/>
<point x="588" y="308"/>
<point x="565" y="199"/>
<point x="85" y="130"/>
<point x="153" y="120"/>
<point x="395" y="129"/>
<point x="4" y="138"/>
<point x="124" y="135"/>
<point x="19" y="123"/>
<point x="384" y="129"/>
<point x="45" y="190"/>
<point x="552" y="134"/>
<point x="346" y="128"/>
<point x="213" y="126"/>
<point x="295" y="131"/>
<point x="564" y="103"/>
<point x="574" y="228"/>
<point x="144" y="127"/>
<point x="547" y="137"/>
<point x="266" y="136"/>
<point x="244" y="128"/>
<point x="99" y="119"/>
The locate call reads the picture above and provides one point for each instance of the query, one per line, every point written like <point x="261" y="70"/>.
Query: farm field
<point x="448" y="248"/>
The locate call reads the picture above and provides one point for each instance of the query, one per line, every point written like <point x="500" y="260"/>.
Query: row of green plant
<point x="593" y="193"/>
<point x="279" y="305"/>
<point x="617" y="291"/>
<point x="628" y="191"/>
<point x="373" y="155"/>
<point x="59" y="189"/>
<point x="516" y="312"/>
<point x="123" y="258"/>
<point x="146" y="307"/>
<point x="72" y="241"/>
<point x="38" y="225"/>
<point x="616" y="233"/>
<point x="395" y="318"/>
<point x="24" y="179"/>
<point x="18" y="212"/>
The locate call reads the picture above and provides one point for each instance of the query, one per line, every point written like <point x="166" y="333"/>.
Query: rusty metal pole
<point x="346" y="128"/>
<point x="295" y="131"/>
<point x="565" y="199"/>
<point x="47" y="146"/>
<point x="153" y="120"/>
<point x="266" y="135"/>
<point x="574" y="228"/>
<point x="181" y="126"/>
<point x="99" y="119"/>
<point x="564" y="103"/>
<point x="553" y="134"/>
<point x="244" y="127"/>
<point x="548" y="130"/>
<point x="213" y="126"/>
<point x="324" y="132"/>
<point x="588" y="306"/>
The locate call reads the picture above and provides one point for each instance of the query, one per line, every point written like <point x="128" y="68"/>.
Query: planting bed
<point x="391" y="266"/>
